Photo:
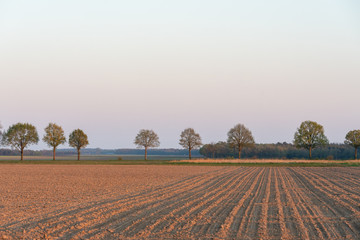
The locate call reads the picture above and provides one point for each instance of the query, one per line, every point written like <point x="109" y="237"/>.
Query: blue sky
<point x="114" y="67"/>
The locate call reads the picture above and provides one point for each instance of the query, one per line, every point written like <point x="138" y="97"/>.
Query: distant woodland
<point x="99" y="151"/>
<point x="309" y="142"/>
<point x="278" y="151"/>
<point x="217" y="150"/>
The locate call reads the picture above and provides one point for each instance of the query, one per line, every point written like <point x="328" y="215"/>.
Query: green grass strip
<point x="169" y="162"/>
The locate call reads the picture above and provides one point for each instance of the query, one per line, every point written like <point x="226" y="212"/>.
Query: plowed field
<point x="157" y="202"/>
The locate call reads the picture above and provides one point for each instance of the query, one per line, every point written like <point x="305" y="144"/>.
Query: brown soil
<point x="178" y="202"/>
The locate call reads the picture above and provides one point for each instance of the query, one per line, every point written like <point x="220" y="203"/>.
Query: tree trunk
<point x="239" y="152"/>
<point x="190" y="153"/>
<point x="356" y="153"/>
<point x="54" y="152"/>
<point x="310" y="152"/>
<point x="78" y="154"/>
<point x="145" y="153"/>
<point x="22" y="154"/>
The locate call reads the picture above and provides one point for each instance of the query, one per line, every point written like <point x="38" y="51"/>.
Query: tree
<point x="189" y="139"/>
<point x="239" y="137"/>
<point x="309" y="136"/>
<point x="54" y="136"/>
<point x="0" y="131"/>
<point x="353" y="139"/>
<point x="20" y="135"/>
<point x="217" y="150"/>
<point x="78" y="139"/>
<point x="208" y="150"/>
<point x="146" y="139"/>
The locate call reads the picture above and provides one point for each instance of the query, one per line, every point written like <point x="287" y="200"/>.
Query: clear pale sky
<point x="112" y="68"/>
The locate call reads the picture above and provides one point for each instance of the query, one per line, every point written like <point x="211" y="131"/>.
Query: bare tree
<point x="189" y="139"/>
<point x="19" y="136"/>
<point x="211" y="148"/>
<point x="1" y="134"/>
<point x="78" y="139"/>
<point x="239" y="137"/>
<point x="309" y="136"/>
<point x="146" y="139"/>
<point x="54" y="136"/>
<point x="353" y="139"/>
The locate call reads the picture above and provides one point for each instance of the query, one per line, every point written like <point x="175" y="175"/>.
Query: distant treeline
<point x="99" y="151"/>
<point x="278" y="151"/>
<point x="218" y="150"/>
<point x="309" y="142"/>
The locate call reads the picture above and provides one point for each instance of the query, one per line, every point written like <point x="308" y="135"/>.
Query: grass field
<point x="96" y="157"/>
<point x="178" y="202"/>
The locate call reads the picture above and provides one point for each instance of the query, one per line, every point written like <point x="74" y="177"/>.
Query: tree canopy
<point x="147" y="138"/>
<point x="78" y="139"/>
<point x="19" y="136"/>
<point x="189" y="139"/>
<point x="352" y="138"/>
<point x="309" y="136"/>
<point x="239" y="137"/>
<point x="0" y="132"/>
<point x="54" y="136"/>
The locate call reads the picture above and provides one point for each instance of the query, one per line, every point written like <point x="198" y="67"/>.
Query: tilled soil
<point x="178" y="202"/>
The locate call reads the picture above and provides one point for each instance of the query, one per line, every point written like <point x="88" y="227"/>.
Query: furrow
<point x="193" y="212"/>
<point x="284" y="230"/>
<point x="343" y="212"/>
<point x="63" y="212"/>
<point x="195" y="198"/>
<point x="249" y="228"/>
<point x="130" y="211"/>
<point x="309" y="212"/>
<point x="232" y="225"/>
<point x="263" y="224"/>
<point x="71" y="217"/>
<point x="219" y="213"/>
<point x="227" y="203"/>
<point x="300" y="230"/>
<point x="332" y="191"/>
<point x="117" y="224"/>
<point x="349" y="176"/>
<point x="330" y="211"/>
<point x="336" y="188"/>
<point x="213" y="217"/>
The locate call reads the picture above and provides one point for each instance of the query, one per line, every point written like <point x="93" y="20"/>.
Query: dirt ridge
<point x="219" y="202"/>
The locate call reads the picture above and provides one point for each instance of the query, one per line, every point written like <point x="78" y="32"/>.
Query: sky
<point x="112" y="68"/>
